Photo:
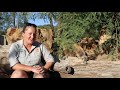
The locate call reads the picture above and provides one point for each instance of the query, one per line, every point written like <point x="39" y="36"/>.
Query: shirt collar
<point x="22" y="45"/>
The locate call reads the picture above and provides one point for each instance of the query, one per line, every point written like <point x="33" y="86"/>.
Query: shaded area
<point x="5" y="71"/>
<point x="54" y="74"/>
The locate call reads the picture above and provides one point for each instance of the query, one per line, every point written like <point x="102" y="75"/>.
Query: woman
<point x="25" y="56"/>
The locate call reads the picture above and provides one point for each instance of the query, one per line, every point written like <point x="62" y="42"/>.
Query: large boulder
<point x="5" y="70"/>
<point x="42" y="35"/>
<point x="45" y="36"/>
<point x="13" y="34"/>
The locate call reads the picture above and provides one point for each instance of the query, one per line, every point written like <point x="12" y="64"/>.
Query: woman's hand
<point x="42" y="70"/>
<point x="39" y="69"/>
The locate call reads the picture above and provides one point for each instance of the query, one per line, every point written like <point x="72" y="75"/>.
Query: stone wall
<point x="3" y="54"/>
<point x="5" y="70"/>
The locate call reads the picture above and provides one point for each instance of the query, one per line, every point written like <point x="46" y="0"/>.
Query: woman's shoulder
<point x="39" y="44"/>
<point x="36" y="43"/>
<point x="17" y="43"/>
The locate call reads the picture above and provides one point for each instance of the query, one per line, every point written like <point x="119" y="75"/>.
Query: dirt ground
<point x="102" y="67"/>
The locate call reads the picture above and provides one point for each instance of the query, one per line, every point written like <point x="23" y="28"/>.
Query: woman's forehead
<point x="29" y="28"/>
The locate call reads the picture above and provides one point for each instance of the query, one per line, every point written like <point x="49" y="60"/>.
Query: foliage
<point x="71" y="27"/>
<point x="44" y="26"/>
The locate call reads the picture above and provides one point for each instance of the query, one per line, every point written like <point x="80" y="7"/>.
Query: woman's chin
<point x="30" y="42"/>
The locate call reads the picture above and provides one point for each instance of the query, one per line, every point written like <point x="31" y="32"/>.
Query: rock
<point x="69" y="70"/>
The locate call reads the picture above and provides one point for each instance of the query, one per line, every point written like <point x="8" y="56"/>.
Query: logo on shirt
<point x="36" y="50"/>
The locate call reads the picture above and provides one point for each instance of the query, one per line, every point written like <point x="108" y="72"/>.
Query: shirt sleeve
<point x="12" y="55"/>
<point x="46" y="54"/>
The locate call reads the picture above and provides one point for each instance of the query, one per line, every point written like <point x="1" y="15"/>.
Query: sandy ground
<point x="100" y="68"/>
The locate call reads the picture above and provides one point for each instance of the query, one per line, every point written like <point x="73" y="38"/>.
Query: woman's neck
<point x="27" y="46"/>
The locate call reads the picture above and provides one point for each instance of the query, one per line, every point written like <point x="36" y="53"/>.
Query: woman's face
<point x="29" y="35"/>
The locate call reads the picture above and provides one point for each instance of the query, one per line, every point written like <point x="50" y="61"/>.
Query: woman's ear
<point x="23" y="34"/>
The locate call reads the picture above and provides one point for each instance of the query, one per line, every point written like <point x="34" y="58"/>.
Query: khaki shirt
<point x="19" y="54"/>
